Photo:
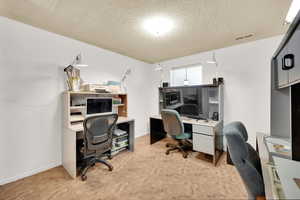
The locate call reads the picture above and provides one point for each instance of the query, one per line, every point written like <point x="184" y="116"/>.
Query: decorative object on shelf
<point x="114" y="86"/>
<point x="220" y="80"/>
<point x="117" y="101"/>
<point x="123" y="79"/>
<point x="215" y="82"/>
<point x="73" y="73"/>
<point x="215" y="116"/>
<point x="73" y="78"/>
<point x="94" y="87"/>
<point x="160" y="69"/>
<point x="165" y="84"/>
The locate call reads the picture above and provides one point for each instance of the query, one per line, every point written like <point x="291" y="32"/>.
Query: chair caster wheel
<point x="167" y="153"/>
<point x="83" y="177"/>
<point x="93" y="164"/>
<point x="185" y="156"/>
<point x="167" y="145"/>
<point x="110" y="169"/>
<point x="109" y="157"/>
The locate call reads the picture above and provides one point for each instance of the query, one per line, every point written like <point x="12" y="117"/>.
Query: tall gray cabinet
<point x="285" y="88"/>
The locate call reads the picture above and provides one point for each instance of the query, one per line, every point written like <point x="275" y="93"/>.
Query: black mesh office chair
<point x="98" y="131"/>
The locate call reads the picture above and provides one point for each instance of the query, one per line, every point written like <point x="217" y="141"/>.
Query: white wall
<point x="246" y="71"/>
<point x="31" y="83"/>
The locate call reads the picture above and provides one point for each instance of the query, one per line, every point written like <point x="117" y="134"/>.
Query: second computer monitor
<point x="99" y="106"/>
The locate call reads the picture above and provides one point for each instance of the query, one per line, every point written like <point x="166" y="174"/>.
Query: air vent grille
<point x="244" y="36"/>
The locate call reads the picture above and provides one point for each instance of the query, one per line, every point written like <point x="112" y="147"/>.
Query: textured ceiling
<point x="116" y="25"/>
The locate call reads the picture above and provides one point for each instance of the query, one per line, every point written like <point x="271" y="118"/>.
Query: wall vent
<point x="244" y="37"/>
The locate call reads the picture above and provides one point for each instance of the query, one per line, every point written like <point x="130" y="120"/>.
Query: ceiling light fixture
<point x="213" y="60"/>
<point x="293" y="10"/>
<point x="158" y="26"/>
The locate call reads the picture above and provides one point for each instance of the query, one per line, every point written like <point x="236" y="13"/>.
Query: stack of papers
<point x="280" y="146"/>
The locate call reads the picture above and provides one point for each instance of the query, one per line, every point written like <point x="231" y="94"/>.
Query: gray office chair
<point x="98" y="131"/>
<point x="245" y="159"/>
<point x="174" y="127"/>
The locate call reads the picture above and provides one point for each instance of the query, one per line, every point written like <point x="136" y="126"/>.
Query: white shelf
<point x="92" y="93"/>
<point x="76" y="118"/>
<point x="213" y="102"/>
<point x="121" y="104"/>
<point x="77" y="107"/>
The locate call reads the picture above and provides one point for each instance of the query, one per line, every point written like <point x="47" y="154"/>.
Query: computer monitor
<point x="188" y="101"/>
<point x="172" y="98"/>
<point x="192" y="102"/>
<point x="99" y="106"/>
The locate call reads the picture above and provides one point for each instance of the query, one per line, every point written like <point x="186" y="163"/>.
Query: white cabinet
<point x="287" y="62"/>
<point x="282" y="75"/>
<point x="203" y="143"/>
<point x="203" y="139"/>
<point x="293" y="49"/>
<point x="207" y="130"/>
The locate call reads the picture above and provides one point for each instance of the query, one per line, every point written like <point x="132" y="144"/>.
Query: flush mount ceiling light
<point x="158" y="26"/>
<point x="294" y="8"/>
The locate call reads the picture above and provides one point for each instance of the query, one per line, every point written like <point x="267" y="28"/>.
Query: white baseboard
<point x="41" y="169"/>
<point x="140" y="131"/>
<point x="29" y="173"/>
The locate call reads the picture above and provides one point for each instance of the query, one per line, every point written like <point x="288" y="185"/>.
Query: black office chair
<point x="98" y="131"/>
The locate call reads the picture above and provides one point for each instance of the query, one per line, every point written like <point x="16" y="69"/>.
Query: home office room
<point x="150" y="99"/>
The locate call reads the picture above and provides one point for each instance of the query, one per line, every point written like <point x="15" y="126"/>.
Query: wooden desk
<point x="74" y="109"/>
<point x="206" y="135"/>
<point x="79" y="127"/>
<point x="187" y="120"/>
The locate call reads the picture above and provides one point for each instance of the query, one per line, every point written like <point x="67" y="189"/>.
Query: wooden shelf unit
<point x="74" y="105"/>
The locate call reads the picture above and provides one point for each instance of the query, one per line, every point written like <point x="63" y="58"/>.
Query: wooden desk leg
<point x="260" y="198"/>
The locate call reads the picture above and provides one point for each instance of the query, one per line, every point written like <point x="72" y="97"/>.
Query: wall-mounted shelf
<point x="121" y="104"/>
<point x="77" y="107"/>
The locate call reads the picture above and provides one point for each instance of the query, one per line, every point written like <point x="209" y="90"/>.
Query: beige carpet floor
<point x="145" y="174"/>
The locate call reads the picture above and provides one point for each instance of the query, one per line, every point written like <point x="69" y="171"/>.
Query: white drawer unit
<point x="203" y="143"/>
<point x="207" y="130"/>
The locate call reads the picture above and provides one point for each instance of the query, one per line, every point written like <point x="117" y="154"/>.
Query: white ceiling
<point x="116" y="25"/>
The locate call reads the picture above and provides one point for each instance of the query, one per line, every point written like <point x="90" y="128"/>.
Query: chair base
<point x="92" y="163"/>
<point x="183" y="148"/>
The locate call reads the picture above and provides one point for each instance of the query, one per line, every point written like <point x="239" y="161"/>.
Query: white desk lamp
<point x="124" y="77"/>
<point x="214" y="62"/>
<point x="78" y="61"/>
<point x="160" y="69"/>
